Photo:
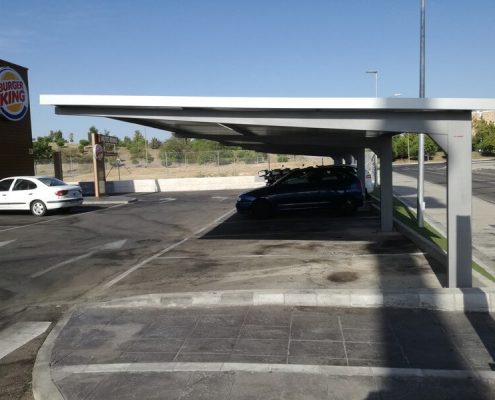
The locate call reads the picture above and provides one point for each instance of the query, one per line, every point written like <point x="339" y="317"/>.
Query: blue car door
<point x="299" y="189"/>
<point x="333" y="187"/>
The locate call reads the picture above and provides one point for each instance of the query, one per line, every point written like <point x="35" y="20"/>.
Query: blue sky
<point x="294" y="48"/>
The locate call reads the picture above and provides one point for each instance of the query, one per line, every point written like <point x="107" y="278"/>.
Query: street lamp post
<point x="145" y="148"/>
<point x="421" y="158"/>
<point x="375" y="72"/>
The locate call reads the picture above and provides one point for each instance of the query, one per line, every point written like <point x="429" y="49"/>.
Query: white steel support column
<point x="360" y="157"/>
<point x="459" y="193"/>
<point x="386" y="196"/>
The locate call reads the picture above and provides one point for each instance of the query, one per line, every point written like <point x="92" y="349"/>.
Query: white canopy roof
<point x="313" y="126"/>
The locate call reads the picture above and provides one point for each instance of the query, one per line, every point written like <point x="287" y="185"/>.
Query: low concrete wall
<point x="211" y="183"/>
<point x="176" y="185"/>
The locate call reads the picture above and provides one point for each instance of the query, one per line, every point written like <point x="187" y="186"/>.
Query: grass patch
<point x="408" y="217"/>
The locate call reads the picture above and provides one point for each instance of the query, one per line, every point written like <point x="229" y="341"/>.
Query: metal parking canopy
<point x="322" y="127"/>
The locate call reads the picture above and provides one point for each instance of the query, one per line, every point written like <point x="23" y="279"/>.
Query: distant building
<point x="16" y="143"/>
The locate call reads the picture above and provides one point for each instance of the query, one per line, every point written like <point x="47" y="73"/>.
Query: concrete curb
<point x="43" y="386"/>
<point x="268" y="368"/>
<point x="472" y="299"/>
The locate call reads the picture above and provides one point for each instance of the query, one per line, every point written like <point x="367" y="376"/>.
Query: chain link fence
<point x="162" y="165"/>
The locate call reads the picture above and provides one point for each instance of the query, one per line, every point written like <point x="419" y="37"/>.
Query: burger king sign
<point x="14" y="98"/>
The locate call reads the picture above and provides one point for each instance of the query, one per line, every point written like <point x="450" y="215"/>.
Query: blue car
<point x="318" y="187"/>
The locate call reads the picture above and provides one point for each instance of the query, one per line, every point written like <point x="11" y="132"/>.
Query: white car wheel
<point x="38" y="208"/>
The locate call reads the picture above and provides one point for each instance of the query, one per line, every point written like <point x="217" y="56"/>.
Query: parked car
<point x="369" y="182"/>
<point x="38" y="194"/>
<point x="306" y="188"/>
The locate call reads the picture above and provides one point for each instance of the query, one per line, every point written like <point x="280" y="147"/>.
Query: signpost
<point x="103" y="145"/>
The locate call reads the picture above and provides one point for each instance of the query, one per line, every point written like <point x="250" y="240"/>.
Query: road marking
<point x="19" y="334"/>
<point x="123" y="275"/>
<point x="106" y="247"/>
<point x="6" y="242"/>
<point x="221" y="198"/>
<point x="167" y="199"/>
<point x="60" y="218"/>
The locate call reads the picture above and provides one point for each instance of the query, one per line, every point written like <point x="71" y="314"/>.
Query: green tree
<point x="174" y="150"/>
<point x="137" y="148"/>
<point x="400" y="144"/>
<point x="42" y="149"/>
<point x="126" y="142"/>
<point x="57" y="137"/>
<point x="484" y="138"/>
<point x="82" y="144"/>
<point x="155" y="143"/>
<point x="92" y="129"/>
<point x="430" y="147"/>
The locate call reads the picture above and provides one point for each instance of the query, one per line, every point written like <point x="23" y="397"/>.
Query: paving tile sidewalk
<point x="220" y="352"/>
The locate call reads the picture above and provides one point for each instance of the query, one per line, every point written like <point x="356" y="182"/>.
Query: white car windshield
<point x="52" y="182"/>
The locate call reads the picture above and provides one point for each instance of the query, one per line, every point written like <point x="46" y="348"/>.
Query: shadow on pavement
<point x="408" y="192"/>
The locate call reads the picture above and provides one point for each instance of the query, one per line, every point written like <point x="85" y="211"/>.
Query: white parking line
<point x="19" y="334"/>
<point x="221" y="198"/>
<point x="109" y="246"/>
<point x="123" y="275"/>
<point x="57" y="219"/>
<point x="6" y="242"/>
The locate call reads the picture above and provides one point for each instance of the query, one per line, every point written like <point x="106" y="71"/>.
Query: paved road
<point x="483" y="177"/>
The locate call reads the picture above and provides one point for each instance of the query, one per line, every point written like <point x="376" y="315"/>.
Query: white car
<point x="369" y="182"/>
<point x="38" y="194"/>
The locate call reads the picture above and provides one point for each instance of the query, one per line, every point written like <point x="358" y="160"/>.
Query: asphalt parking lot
<point x="195" y="241"/>
<point x="305" y="250"/>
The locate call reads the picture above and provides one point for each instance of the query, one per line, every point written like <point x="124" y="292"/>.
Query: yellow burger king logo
<point x="14" y="98"/>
